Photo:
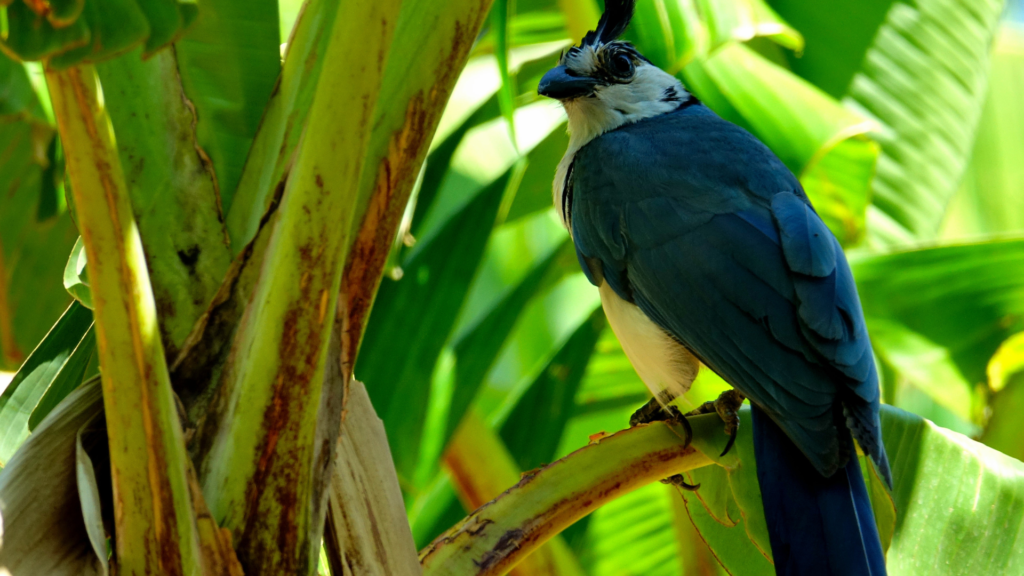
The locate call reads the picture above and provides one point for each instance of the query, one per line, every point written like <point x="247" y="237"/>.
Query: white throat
<point x="652" y="92"/>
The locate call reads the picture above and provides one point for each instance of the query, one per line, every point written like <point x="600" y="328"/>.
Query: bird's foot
<point x="654" y="411"/>
<point x="727" y="407"/>
<point x="680" y="482"/>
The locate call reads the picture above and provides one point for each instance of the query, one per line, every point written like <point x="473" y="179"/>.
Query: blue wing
<point x="702" y="227"/>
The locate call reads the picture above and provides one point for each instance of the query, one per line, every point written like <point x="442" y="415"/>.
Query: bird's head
<point x="604" y="83"/>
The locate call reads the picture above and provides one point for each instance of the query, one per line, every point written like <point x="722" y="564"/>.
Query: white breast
<point x="666" y="367"/>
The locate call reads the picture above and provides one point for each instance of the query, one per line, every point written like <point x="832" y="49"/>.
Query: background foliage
<point x="902" y="119"/>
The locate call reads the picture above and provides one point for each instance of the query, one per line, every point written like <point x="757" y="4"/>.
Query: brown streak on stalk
<point x="161" y="498"/>
<point x="205" y="350"/>
<point x="392" y="187"/>
<point x="301" y="350"/>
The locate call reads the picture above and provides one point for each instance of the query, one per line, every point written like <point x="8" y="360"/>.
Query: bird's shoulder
<point x="690" y="155"/>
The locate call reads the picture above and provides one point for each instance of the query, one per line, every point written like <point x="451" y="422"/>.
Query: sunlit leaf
<point x="76" y="277"/>
<point x="1006" y="362"/>
<point x="672" y="33"/>
<point x="44" y="367"/>
<point x="990" y="199"/>
<point x="923" y="80"/>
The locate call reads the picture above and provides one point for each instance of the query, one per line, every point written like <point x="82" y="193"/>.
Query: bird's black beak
<point x="559" y="84"/>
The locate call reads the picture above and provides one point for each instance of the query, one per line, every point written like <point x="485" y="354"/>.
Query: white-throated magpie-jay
<point x="706" y="250"/>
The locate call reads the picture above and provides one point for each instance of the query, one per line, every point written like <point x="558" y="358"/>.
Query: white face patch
<point x="649" y="92"/>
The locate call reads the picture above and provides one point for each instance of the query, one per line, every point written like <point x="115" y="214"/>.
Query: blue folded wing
<point x="737" y="266"/>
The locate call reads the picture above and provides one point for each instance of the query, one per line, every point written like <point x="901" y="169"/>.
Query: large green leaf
<point x="172" y="189"/>
<point x="72" y="32"/>
<point x="633" y="535"/>
<point x="990" y="200"/>
<point x="229" y="61"/>
<point x="58" y="360"/>
<point x="971" y="526"/>
<point x="923" y="80"/>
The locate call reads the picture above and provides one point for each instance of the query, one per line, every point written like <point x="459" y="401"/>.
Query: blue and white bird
<point x="706" y="250"/>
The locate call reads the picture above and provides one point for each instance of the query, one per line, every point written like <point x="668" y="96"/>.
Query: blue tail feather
<point x="817" y="526"/>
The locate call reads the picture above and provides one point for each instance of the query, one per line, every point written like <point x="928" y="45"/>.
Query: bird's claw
<point x="657" y="409"/>
<point x="727" y="407"/>
<point x="654" y="411"/>
<point x="680" y="482"/>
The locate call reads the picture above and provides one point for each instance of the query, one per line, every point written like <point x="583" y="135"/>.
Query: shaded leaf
<point x="89" y="491"/>
<point x="924" y="364"/>
<point x="229" y="61"/>
<point x="835" y="45"/>
<point x="171" y="186"/>
<point x="477" y="349"/>
<point x="32" y="250"/>
<point x="69" y="378"/>
<point x="1002" y="431"/>
<point x="32" y="37"/>
<point x="534" y="427"/>
<point x="115" y="26"/>
<point x="436" y="276"/>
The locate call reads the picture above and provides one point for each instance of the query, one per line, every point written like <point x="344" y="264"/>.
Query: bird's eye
<point x="622" y="65"/>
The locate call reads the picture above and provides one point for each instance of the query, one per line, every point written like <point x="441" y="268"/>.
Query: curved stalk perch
<point x="491" y="540"/>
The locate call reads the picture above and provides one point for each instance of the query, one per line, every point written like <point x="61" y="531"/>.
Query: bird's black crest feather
<point x="617" y="14"/>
